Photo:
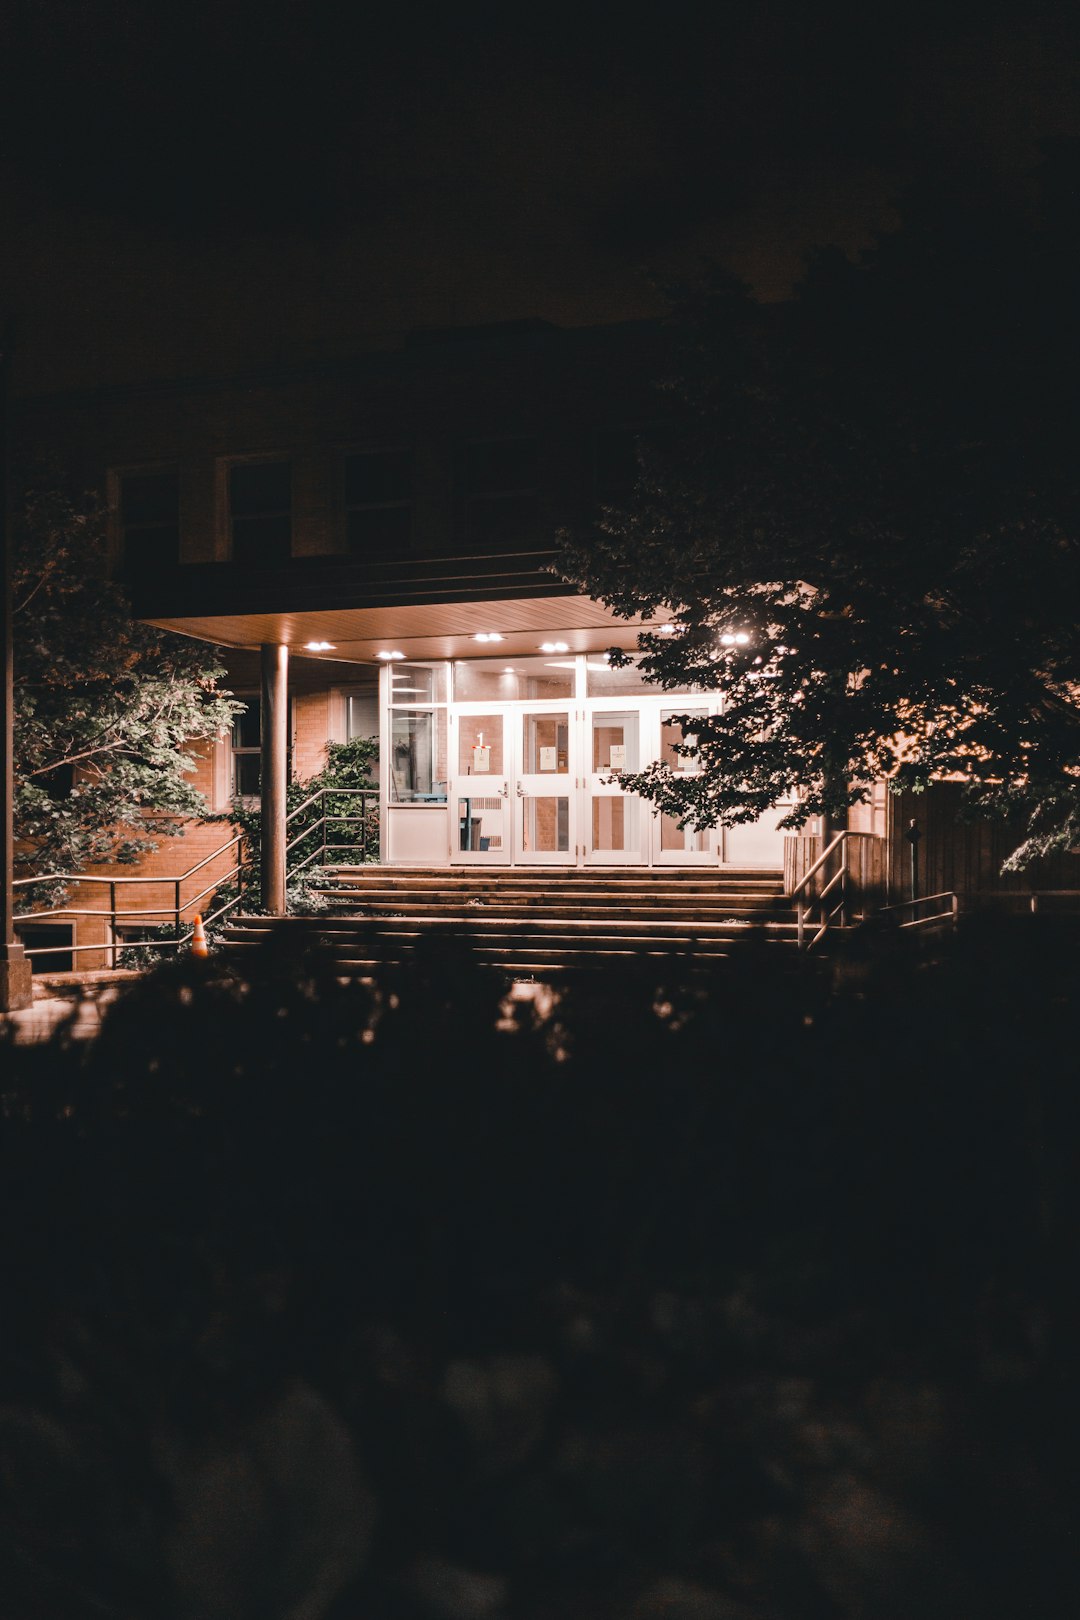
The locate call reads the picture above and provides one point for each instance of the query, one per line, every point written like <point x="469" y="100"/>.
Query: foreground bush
<point x="405" y="1300"/>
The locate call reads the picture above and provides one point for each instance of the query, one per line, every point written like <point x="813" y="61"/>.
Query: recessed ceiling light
<point x="666" y="630"/>
<point x="319" y="646"/>
<point x="487" y="635"/>
<point x="389" y="655"/>
<point x="554" y="646"/>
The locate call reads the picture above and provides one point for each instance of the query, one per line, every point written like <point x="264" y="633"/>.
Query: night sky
<point x="243" y="184"/>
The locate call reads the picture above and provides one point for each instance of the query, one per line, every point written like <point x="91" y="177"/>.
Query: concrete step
<point x="536" y="877"/>
<point x="537" y="921"/>
<point x="743" y="907"/>
<point x="632" y="934"/>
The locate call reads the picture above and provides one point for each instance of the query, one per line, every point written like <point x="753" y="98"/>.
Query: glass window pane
<point x="670" y="735"/>
<point x="373" y="476"/>
<point x="247" y="727"/>
<point x="257" y="488"/>
<point x="480" y="823"/>
<point x="418" y="757"/>
<point x="361" y="715"/>
<point x="684" y="840"/>
<point x="246" y="772"/>
<point x="150" y="498"/>
<point x="603" y="681"/>
<point x="494" y="465"/>
<point x="379" y="530"/>
<point x="152" y="546"/>
<point x="480" y="745"/>
<point x="614" y="742"/>
<point x="509" y="679"/>
<point x="262" y="540"/>
<point x="501" y="519"/>
<point x="411" y="684"/>
<point x="545" y="744"/>
<point x="615" y="821"/>
<point x="615" y="467"/>
<point x="545" y="825"/>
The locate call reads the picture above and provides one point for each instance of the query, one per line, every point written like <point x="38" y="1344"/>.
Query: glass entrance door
<point x="545" y="798"/>
<point x="674" y="845"/>
<point x="614" y="821"/>
<point x="480" y="790"/>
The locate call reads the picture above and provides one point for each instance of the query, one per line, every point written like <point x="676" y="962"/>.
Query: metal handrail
<point x="819" y="863"/>
<point x="175" y="913"/>
<point x="838" y="885"/>
<point x="92" y="877"/>
<point x="951" y="913"/>
<point x="804" y="902"/>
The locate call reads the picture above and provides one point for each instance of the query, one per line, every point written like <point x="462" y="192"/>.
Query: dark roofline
<point x="414" y="351"/>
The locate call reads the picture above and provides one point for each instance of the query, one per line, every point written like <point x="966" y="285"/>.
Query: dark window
<point x="496" y="482"/>
<point x="378" y="502"/>
<point x="247" y="750"/>
<point x="55" y="939"/>
<point x="615" y="467"/>
<point x="260" y="511"/>
<point x="150" y="517"/>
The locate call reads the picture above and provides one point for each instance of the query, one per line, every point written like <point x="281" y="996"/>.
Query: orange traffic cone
<point x="198" y="938"/>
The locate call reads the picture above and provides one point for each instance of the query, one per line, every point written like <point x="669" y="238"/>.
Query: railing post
<point x="176" y="910"/>
<point x="274" y="783"/>
<point x="913" y="835"/>
<point x="112" y="918"/>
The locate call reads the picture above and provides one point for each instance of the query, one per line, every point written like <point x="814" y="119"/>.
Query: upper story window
<point x="246" y="751"/>
<point x="150" y="516"/>
<point x="496" y="490"/>
<point x="378" y="502"/>
<point x="614" y="466"/>
<point x="260" y="512"/>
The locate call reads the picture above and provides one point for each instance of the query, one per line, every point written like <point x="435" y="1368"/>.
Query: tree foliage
<point x="857" y="520"/>
<point x="107" y="710"/>
<point x="350" y="832"/>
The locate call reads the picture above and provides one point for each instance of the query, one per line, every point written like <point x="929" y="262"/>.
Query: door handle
<point x="505" y="791"/>
<point x="520" y="791"/>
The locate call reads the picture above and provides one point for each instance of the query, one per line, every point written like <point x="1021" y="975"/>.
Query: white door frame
<point x="557" y="782"/>
<point x="577" y="783"/>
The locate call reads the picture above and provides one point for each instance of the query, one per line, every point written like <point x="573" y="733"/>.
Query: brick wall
<point x="311" y="683"/>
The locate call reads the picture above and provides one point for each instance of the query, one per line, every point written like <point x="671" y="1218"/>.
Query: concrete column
<point x="15" y="989"/>
<point x="275" y="749"/>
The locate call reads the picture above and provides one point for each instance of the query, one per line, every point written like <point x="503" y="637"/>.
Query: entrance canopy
<point x="420" y="630"/>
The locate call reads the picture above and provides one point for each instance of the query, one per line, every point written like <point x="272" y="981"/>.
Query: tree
<point x="858" y="521"/>
<point x="106" y="709"/>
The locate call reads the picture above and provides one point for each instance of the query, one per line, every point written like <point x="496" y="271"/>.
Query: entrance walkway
<point x="541" y="921"/>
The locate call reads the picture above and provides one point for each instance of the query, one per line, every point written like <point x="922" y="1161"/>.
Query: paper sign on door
<point x="481" y="759"/>
<point x="618" y="757"/>
<point x="549" y="759"/>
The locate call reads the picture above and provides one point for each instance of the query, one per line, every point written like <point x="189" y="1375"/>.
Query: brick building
<point x="371" y="542"/>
